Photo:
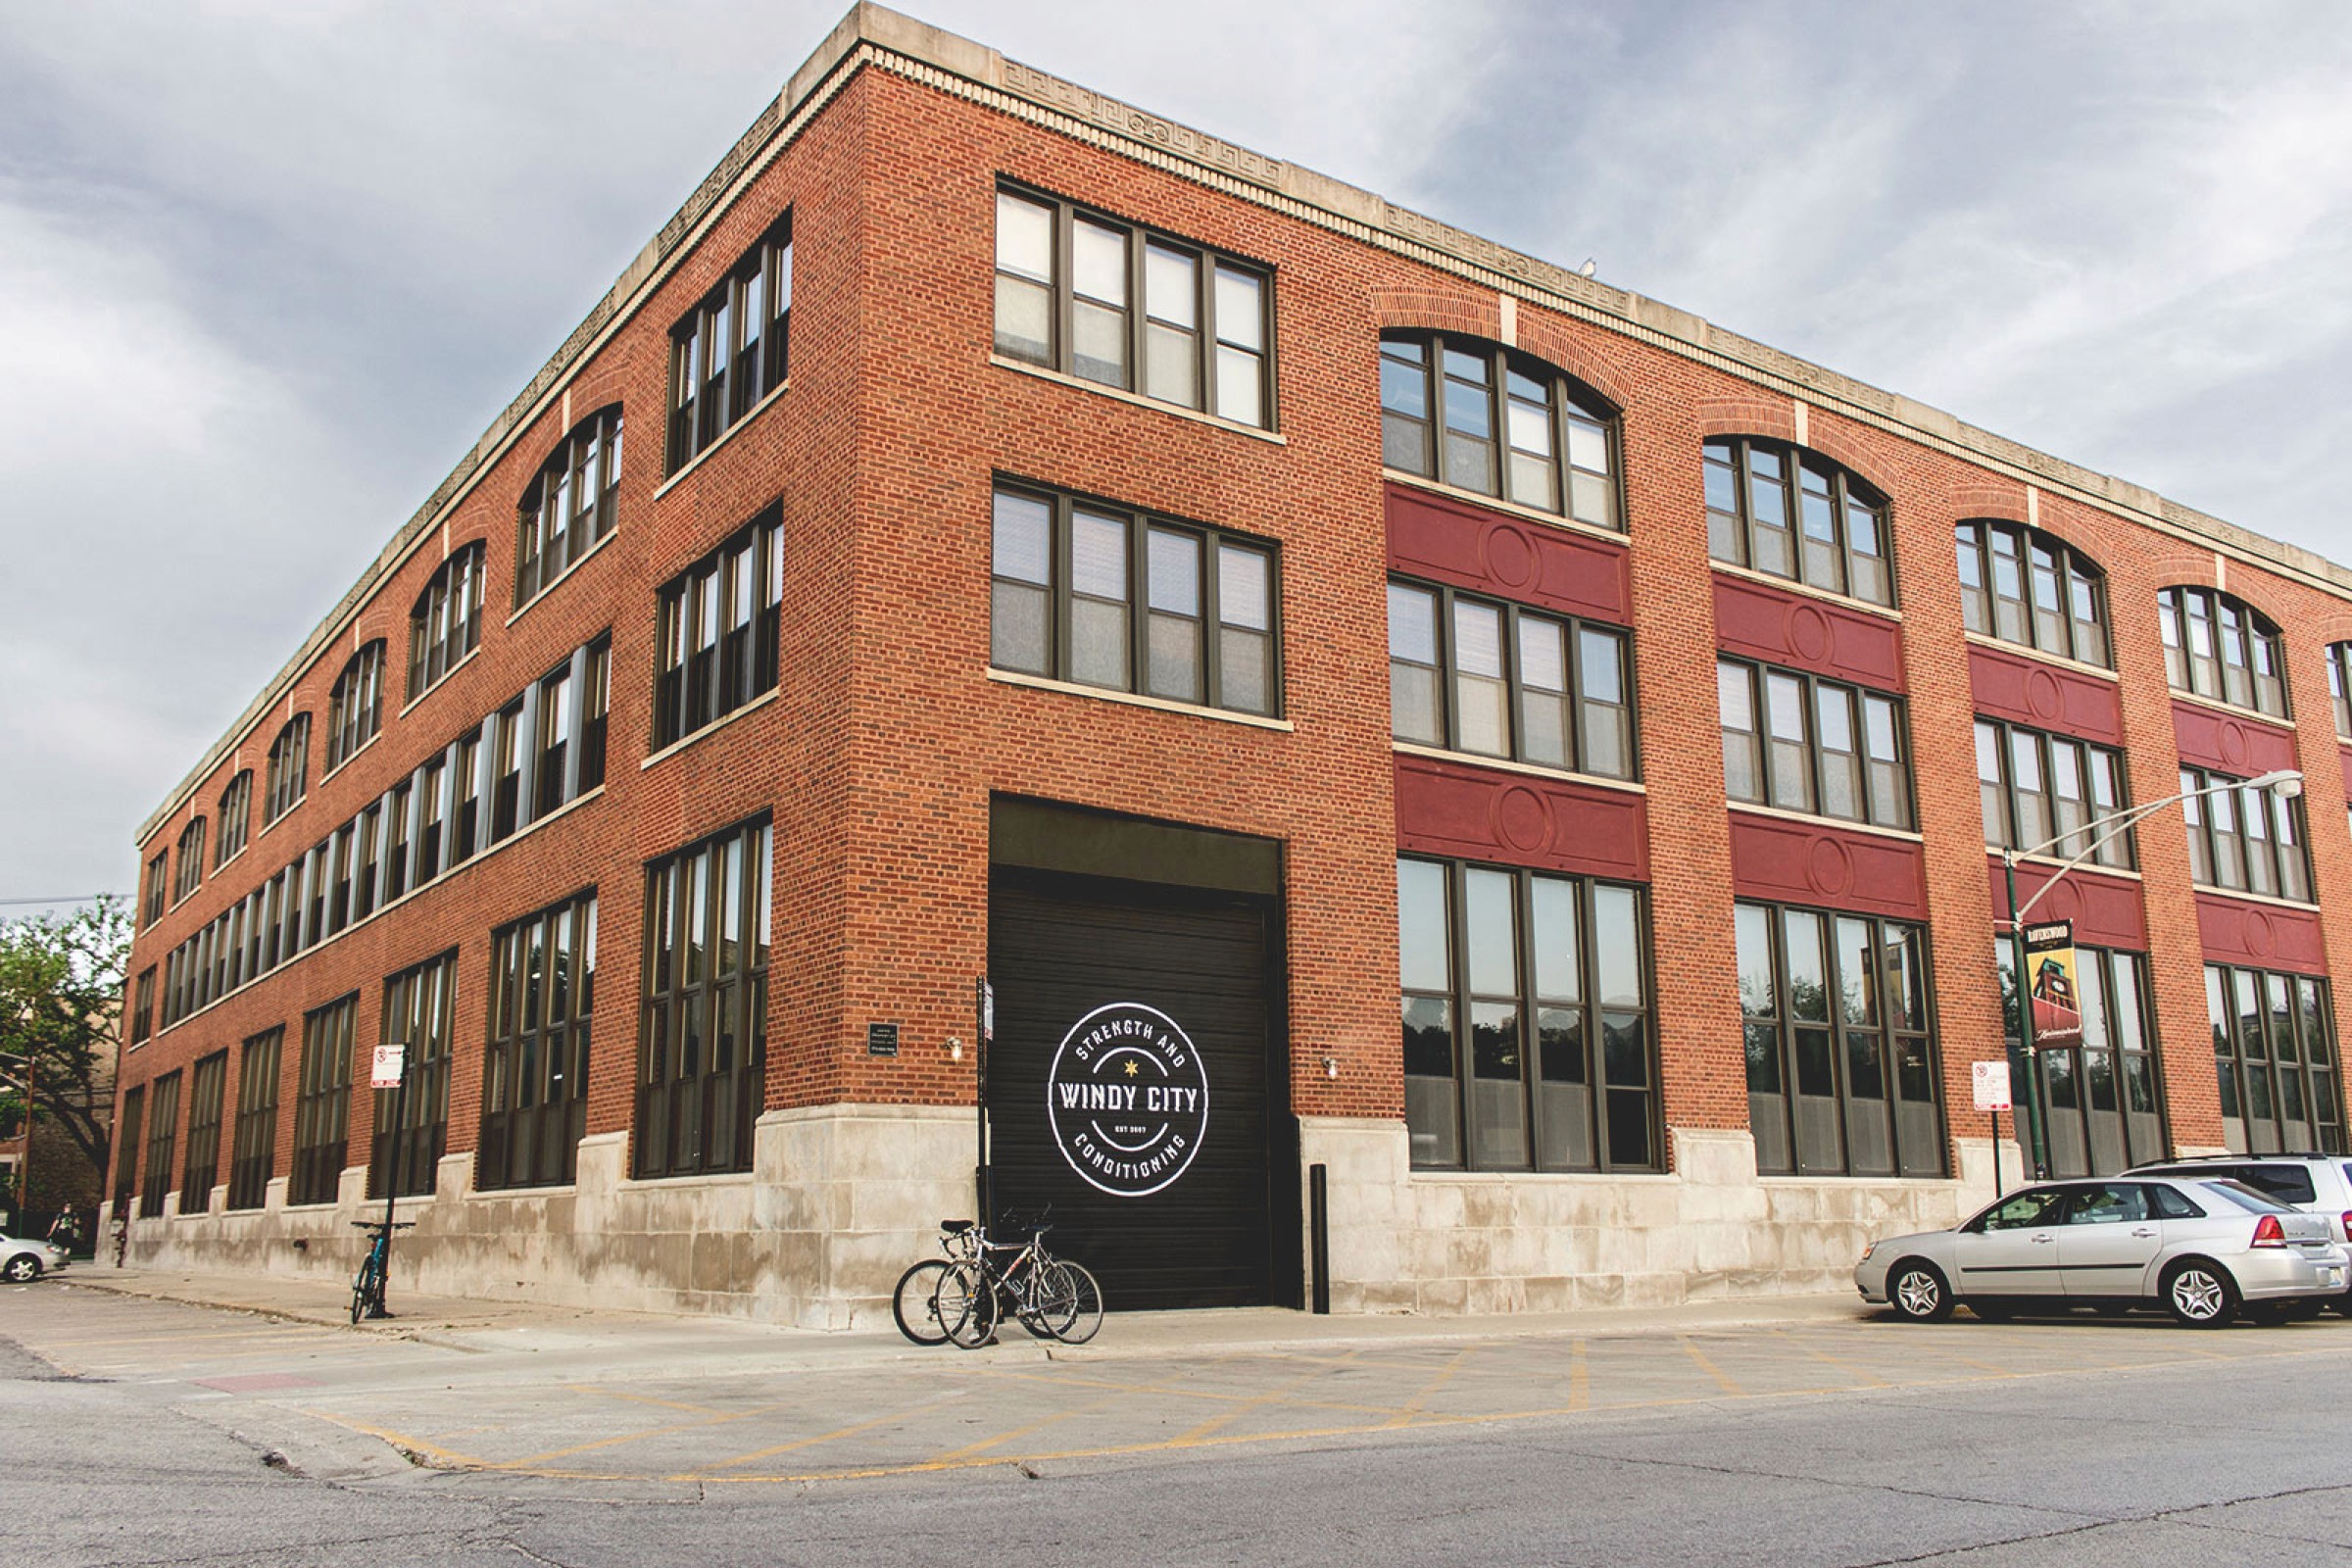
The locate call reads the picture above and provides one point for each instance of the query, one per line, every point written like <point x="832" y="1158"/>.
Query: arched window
<point x="1790" y="512"/>
<point x="447" y="624"/>
<point x="191" y="859"/>
<point x="1480" y="417"/>
<point x="290" y="768"/>
<point x="2219" y="645"/>
<point x="236" y="818"/>
<point x="354" y="708"/>
<point x="569" y="506"/>
<point x="2339" y="686"/>
<point x="2027" y="587"/>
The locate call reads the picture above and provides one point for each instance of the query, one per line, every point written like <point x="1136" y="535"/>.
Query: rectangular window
<point x="732" y="349"/>
<point x="2339" y="687"/>
<point x="419" y="1007"/>
<point x="535" y="1070"/>
<point x="1498" y="679"/>
<point x="209" y="1077"/>
<point x="1840" y="1042"/>
<point x="2245" y="840"/>
<point x="1068" y="283"/>
<point x="2102" y="1098"/>
<point x="289" y="766"/>
<point x="1798" y="743"/>
<point x="719" y="625"/>
<point x="162" y="1123"/>
<point x="236" y="818"/>
<point x="126" y="1149"/>
<point x="256" y="1150"/>
<point x="159" y="874"/>
<point x="356" y="705"/>
<point x="142" y="1006"/>
<point x="1527" y="1043"/>
<point x="2275" y="1061"/>
<point x="1105" y="597"/>
<point x="703" y="1025"/>
<point x="322" y="1103"/>
<point x="570" y="506"/>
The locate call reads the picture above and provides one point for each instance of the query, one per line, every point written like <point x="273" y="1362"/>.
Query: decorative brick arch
<point x="2332" y="629"/>
<point x="1772" y="418"/>
<point x="1556" y="345"/>
<point x="1439" y="310"/>
<point x="1832" y="442"/>
<point x="2185" y="571"/>
<point x="2001" y="502"/>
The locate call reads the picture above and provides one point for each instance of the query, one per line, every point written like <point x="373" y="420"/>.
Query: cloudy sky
<point x="268" y="269"/>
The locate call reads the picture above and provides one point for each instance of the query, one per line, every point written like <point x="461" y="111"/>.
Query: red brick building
<point x="969" y="542"/>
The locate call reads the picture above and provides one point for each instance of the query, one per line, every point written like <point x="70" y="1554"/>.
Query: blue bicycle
<point x="367" y="1289"/>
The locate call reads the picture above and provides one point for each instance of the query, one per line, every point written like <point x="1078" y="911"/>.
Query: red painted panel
<point x="1806" y="633"/>
<point x="1809" y="862"/>
<point x="1467" y="546"/>
<point x="2027" y="691"/>
<point x="2106" y="909"/>
<point x="2346" y="756"/>
<point x="2261" y="936"/>
<point x="2245" y="747"/>
<point x="1482" y="814"/>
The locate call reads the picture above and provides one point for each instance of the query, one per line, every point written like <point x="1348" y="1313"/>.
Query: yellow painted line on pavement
<point x="672" y="1430"/>
<point x="1412" y="1407"/>
<point x="837" y="1432"/>
<point x="643" y="1399"/>
<point x="1094" y="1408"/>
<point x="1275" y="1395"/>
<point x="1869" y="1379"/>
<point x="1723" y="1380"/>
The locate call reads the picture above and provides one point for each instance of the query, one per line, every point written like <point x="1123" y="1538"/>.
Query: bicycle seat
<point x="954" y="1227"/>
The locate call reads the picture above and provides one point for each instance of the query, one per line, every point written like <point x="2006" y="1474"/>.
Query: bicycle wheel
<point x="966" y="1305"/>
<point x="363" y="1290"/>
<point x="1072" y="1302"/>
<point x="916" y="1304"/>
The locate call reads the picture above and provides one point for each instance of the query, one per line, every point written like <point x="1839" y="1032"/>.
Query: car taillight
<point x="2268" y="1232"/>
<point x="2347" y="1224"/>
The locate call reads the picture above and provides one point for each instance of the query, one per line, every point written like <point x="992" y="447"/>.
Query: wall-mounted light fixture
<point x="1331" y="1068"/>
<point x="955" y="1048"/>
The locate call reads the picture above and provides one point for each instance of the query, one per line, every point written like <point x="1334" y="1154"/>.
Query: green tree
<point x="61" y="1018"/>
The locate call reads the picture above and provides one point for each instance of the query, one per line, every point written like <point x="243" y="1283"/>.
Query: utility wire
<point x="78" y="898"/>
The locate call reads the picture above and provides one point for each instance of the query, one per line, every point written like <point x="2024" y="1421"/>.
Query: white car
<point x="2201" y="1247"/>
<point x="23" y="1262"/>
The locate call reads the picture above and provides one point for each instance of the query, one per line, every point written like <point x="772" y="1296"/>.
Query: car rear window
<point x="2174" y="1203"/>
<point x="2246" y="1198"/>
<point x="2290" y="1184"/>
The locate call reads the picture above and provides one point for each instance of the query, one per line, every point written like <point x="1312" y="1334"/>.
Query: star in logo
<point x="1131" y="1070"/>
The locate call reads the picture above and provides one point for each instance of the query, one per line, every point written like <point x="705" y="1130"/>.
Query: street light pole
<point x="2288" y="782"/>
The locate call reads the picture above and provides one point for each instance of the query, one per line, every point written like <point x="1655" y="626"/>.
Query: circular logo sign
<point x="1127" y="1098"/>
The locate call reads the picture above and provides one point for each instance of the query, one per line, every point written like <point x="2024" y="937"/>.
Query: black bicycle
<point x="916" y="1303"/>
<point x="367" y="1289"/>
<point x="1051" y="1296"/>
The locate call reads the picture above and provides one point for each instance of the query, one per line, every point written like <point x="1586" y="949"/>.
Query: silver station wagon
<point x="2203" y="1248"/>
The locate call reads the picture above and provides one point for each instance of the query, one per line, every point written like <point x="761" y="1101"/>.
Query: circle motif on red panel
<point x="2064" y="903"/>
<point x="2261" y="937"/>
<point x="1510" y="555"/>
<point x="1829" y="866"/>
<point x="1808" y="632"/>
<point x="2233" y="743"/>
<point x="1520" y="819"/>
<point x="2044" y="696"/>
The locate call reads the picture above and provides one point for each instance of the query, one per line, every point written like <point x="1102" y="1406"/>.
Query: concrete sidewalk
<point x="661" y="1344"/>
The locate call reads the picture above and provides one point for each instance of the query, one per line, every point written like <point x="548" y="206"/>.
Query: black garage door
<point x="1128" y="1082"/>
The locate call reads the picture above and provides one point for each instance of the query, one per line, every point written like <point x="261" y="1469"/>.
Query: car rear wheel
<point x="20" y="1269"/>
<point x="1918" y="1292"/>
<point x="2199" y="1295"/>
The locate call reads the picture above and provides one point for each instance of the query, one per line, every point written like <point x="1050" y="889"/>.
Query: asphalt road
<point x="150" y="1432"/>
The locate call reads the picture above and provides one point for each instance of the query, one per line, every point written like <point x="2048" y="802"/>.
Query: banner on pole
<point x="2057" y="1003"/>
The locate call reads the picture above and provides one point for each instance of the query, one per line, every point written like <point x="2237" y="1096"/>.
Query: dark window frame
<point x="236" y="819"/>
<point x="704" y="404"/>
<point x="142" y="1007"/>
<point x="2120" y="853"/>
<point x="703" y="1029"/>
<point x="2338" y="656"/>
<point x="1517" y="697"/>
<point x="206" y="1082"/>
<point x="2226" y="623"/>
<point x="1212" y="668"/>
<point x="290" y="768"/>
<point x="1211" y="329"/>
<point x="2071" y="1079"/>
<point x="1778" y="1066"/>
<point x="355" y="706"/>
<point x="127" y="1147"/>
<point x="159" y="885"/>
<point x="2260" y="1067"/>
<point x="1577" y="1055"/>
<point x="254" y="1154"/>
<point x="2020" y="619"/>
<point x="557" y="522"/>
<point x="2222" y="846"/>
<point x="419" y="1011"/>
<point x="445" y="626"/>
<point x="1733" y="529"/>
<point x="1418" y="406"/>
<point x="162" y="1127"/>
<point x="719" y="630"/>
<point x="536" y="1067"/>
<point x="1904" y="816"/>
<point x="190" y="854"/>
<point x="322" y="1101"/>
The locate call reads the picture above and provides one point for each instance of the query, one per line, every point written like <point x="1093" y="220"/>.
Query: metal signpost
<point x="984" y="1010"/>
<point x="1991" y="1083"/>
<point x="390" y="1070"/>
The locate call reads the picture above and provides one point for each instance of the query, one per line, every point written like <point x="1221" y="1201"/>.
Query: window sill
<point x="470" y="655"/>
<point x="1515" y="509"/>
<point x="714" y="1178"/>
<point x="234" y="859"/>
<point x="2306" y="906"/>
<point x="1806" y="590"/>
<point x="2217" y="705"/>
<point x="382" y="910"/>
<point x="173" y="908"/>
<point x="1452" y="1177"/>
<point x="362" y="750"/>
<point x="1439" y="754"/>
<point x="494" y="1194"/>
<point x="270" y="826"/>
<point x="764" y="700"/>
<point x="1825" y="1179"/>
<point x="703" y="456"/>
<point x="1119" y="394"/>
<point x="545" y="589"/>
<point x="1997" y="645"/>
<point x="1816" y="819"/>
<point x="1993" y="852"/>
<point x="1226" y="716"/>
